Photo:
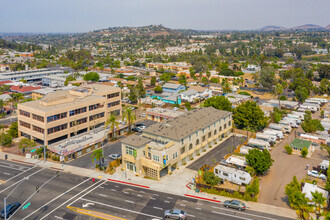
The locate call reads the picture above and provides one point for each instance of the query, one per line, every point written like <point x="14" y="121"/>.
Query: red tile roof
<point x="24" y="89"/>
<point x="5" y="82"/>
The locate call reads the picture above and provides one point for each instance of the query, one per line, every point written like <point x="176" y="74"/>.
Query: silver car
<point x="175" y="214"/>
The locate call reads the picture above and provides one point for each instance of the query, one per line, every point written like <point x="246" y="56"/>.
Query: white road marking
<point x="198" y="208"/>
<point x="57" y="197"/>
<point x="152" y="198"/>
<point x="182" y="205"/>
<point x="155" y="207"/>
<point x="103" y="195"/>
<point x="167" y="201"/>
<point x="127" y="210"/>
<point x="259" y="216"/>
<point x="191" y="215"/>
<point x="139" y="195"/>
<point x="57" y="217"/>
<point x="101" y="187"/>
<point x="7" y="173"/>
<point x="20" y="180"/>
<point x="116" y="186"/>
<point x="142" y="191"/>
<point x="169" y="197"/>
<point x="13" y="164"/>
<point x="235" y="216"/>
<point x="20" y="173"/>
<point x="11" y="167"/>
<point x="155" y="194"/>
<point x="129" y="201"/>
<point x="184" y="200"/>
<point x="113" y="190"/>
<point x="126" y="192"/>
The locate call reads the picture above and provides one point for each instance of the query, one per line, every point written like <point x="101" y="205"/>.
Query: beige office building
<point x="60" y="115"/>
<point x="169" y="144"/>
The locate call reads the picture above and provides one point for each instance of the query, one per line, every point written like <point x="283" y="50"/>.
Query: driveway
<point x="217" y="153"/>
<point x="284" y="168"/>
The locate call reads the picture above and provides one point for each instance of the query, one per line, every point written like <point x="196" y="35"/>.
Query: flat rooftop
<point x="168" y="113"/>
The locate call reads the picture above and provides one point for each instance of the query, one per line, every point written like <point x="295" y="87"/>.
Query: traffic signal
<point x="37" y="188"/>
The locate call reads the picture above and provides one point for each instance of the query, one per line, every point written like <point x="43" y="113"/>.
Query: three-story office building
<point x="169" y="144"/>
<point x="63" y="114"/>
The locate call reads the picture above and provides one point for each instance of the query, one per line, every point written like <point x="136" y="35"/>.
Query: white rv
<point x="259" y="144"/>
<point x="283" y="128"/>
<point x="296" y="120"/>
<point x="245" y="149"/>
<point x="279" y="134"/>
<point x="296" y="116"/>
<point x="290" y="123"/>
<point x="232" y="175"/>
<point x="266" y="137"/>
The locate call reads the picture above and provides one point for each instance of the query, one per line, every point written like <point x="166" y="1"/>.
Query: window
<point x="113" y="104"/>
<point x="189" y="137"/>
<point x="190" y="146"/>
<point x="220" y="129"/>
<point x="78" y="122"/>
<point x="216" y="171"/>
<point x="196" y="133"/>
<point x="24" y="124"/>
<point x="57" y="128"/>
<point x="38" y="118"/>
<point x="78" y="111"/>
<point x="175" y="155"/>
<point x="131" y="166"/>
<point x="109" y="96"/>
<point x="203" y="130"/>
<point x="215" y="132"/>
<point x="183" y="149"/>
<point x="229" y="123"/>
<point x="225" y="126"/>
<point x="197" y="142"/>
<point x="35" y="128"/>
<point x="225" y="174"/>
<point x="182" y="141"/>
<point x="96" y="106"/>
<point x="242" y="178"/>
<point x="203" y="138"/>
<point x="155" y="158"/>
<point x="56" y="117"/>
<point x="93" y="117"/>
<point x="130" y="151"/>
<point x="24" y="113"/>
<point x="210" y="134"/>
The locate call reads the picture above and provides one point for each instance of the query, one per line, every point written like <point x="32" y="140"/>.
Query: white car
<point x="316" y="174"/>
<point x="114" y="156"/>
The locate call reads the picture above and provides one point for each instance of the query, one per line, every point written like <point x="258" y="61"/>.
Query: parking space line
<point x="113" y="190"/>
<point x="198" y="208"/>
<point x="155" y="207"/>
<point x="182" y="205"/>
<point x="139" y="195"/>
<point x="169" y="197"/>
<point x="167" y="201"/>
<point x="126" y="192"/>
<point x="129" y="201"/>
<point x="103" y="195"/>
<point x="235" y="216"/>
<point x="119" y="208"/>
<point x="259" y="216"/>
<point x="8" y="174"/>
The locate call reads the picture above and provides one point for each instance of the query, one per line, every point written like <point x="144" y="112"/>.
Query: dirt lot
<point x="284" y="168"/>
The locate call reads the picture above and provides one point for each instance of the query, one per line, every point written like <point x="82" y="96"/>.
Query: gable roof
<point x="24" y="89"/>
<point x="198" y="88"/>
<point x="189" y="92"/>
<point x="4" y="82"/>
<point x="171" y="85"/>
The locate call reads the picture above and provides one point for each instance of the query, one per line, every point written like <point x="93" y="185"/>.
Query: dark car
<point x="139" y="125"/>
<point x="136" y="129"/>
<point x="235" y="204"/>
<point x="175" y="214"/>
<point x="10" y="209"/>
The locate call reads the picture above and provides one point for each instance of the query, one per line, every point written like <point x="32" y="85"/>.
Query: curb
<point x="20" y="161"/>
<point x="127" y="183"/>
<point x="202" y="198"/>
<point x="54" y="168"/>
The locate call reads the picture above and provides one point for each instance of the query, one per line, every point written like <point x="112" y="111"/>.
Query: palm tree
<point x="2" y="105"/>
<point x="97" y="155"/>
<point x="319" y="201"/>
<point x="112" y="123"/>
<point x="129" y="116"/>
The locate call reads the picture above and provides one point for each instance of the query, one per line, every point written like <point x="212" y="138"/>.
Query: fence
<point x="249" y="134"/>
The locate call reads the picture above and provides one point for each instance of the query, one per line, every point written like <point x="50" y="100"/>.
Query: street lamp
<point x="5" y="199"/>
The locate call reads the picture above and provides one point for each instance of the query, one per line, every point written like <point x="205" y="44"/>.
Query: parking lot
<point x="85" y="161"/>
<point x="217" y="153"/>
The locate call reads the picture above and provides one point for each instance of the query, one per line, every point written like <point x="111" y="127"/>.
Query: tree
<point x="310" y="125"/>
<point x="253" y="188"/>
<point x="261" y="161"/>
<point x="133" y="94"/>
<point x="249" y="116"/>
<point x="214" y="80"/>
<point x="327" y="185"/>
<point x="5" y="139"/>
<point x="210" y="178"/>
<point x="13" y="130"/>
<point x="279" y="91"/>
<point x="319" y="201"/>
<point x="153" y="81"/>
<point x="192" y="72"/>
<point x="68" y="79"/>
<point x="129" y="116"/>
<point x="183" y="80"/>
<point x="165" y="77"/>
<point x="218" y="102"/>
<point x="92" y="76"/>
<point x="97" y="155"/>
<point x="188" y="106"/>
<point x="141" y="92"/>
<point x="304" y="152"/>
<point x="226" y="88"/>
<point x="26" y="143"/>
<point x="266" y="77"/>
<point x="324" y="71"/>
<point x="112" y="123"/>
<point x="288" y="149"/>
<point x="158" y="89"/>
<point x="301" y="94"/>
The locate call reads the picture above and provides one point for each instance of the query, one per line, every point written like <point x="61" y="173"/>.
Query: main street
<point x="74" y="197"/>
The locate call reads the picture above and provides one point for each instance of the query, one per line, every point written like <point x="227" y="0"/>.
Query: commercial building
<point x="60" y="115"/>
<point x="38" y="94"/>
<point x="160" y="114"/>
<point x="169" y="144"/>
<point x="30" y="75"/>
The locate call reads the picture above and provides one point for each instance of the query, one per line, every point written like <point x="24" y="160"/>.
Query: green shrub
<point x="211" y="178"/>
<point x="288" y="149"/>
<point x="244" y="93"/>
<point x="304" y="152"/>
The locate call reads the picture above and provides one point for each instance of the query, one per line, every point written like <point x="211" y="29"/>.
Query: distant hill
<point x="272" y="28"/>
<point x="327" y="27"/>
<point x="308" y="27"/>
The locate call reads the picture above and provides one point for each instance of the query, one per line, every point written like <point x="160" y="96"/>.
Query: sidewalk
<point x="169" y="184"/>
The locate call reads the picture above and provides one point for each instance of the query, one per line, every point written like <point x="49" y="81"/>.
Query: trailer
<point x="290" y="123"/>
<point x="245" y="149"/>
<point x="296" y="116"/>
<point x="259" y="144"/>
<point x="280" y="127"/>
<point x="265" y="137"/>
<point x="321" y="100"/>
<point x="279" y="134"/>
<point x="296" y="120"/>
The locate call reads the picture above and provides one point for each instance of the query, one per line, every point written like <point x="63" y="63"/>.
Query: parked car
<point x="10" y="209"/>
<point x="235" y="204"/>
<point x="175" y="214"/>
<point x="114" y="156"/>
<point x="175" y="108"/>
<point x="136" y="129"/>
<point x="140" y="125"/>
<point x="316" y="174"/>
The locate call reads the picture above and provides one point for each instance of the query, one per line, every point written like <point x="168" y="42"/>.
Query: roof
<point x="300" y="144"/>
<point x="184" y="125"/>
<point x="189" y="92"/>
<point x="5" y="82"/>
<point x="232" y="170"/>
<point x="5" y="97"/>
<point x="164" y="112"/>
<point x="136" y="141"/>
<point x="309" y="188"/>
<point x="198" y="88"/>
<point x="24" y="89"/>
<point x="171" y="85"/>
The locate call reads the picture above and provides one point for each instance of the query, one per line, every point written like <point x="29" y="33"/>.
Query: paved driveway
<point x="217" y="153"/>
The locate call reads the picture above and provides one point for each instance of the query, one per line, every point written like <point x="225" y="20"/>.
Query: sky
<point x="35" y="16"/>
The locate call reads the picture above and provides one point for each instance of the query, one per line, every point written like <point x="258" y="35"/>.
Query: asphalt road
<point x="217" y="153"/>
<point x="8" y="121"/>
<point x="85" y="161"/>
<point x="62" y="194"/>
